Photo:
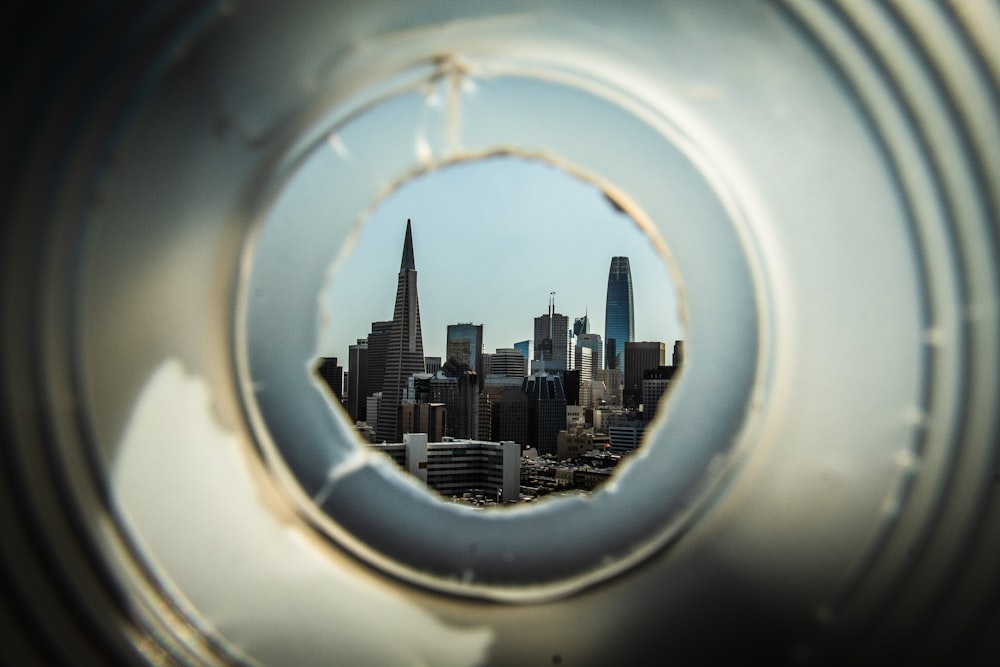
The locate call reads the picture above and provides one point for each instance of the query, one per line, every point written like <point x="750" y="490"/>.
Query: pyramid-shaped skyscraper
<point x="405" y="355"/>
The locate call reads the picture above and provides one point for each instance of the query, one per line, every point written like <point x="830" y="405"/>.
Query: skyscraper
<point x="506" y="361"/>
<point x="332" y="375"/>
<point x="378" y="347"/>
<point x="405" y="353"/>
<point x="546" y="411"/>
<point x="465" y="344"/>
<point x="640" y="357"/>
<point x="619" y="317"/>
<point x="592" y="342"/>
<point x="357" y="380"/>
<point x="552" y="340"/>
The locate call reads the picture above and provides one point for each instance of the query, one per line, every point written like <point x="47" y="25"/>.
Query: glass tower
<point x="619" y="318"/>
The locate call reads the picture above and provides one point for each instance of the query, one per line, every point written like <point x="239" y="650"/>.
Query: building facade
<point x="640" y="356"/>
<point x="378" y="347"/>
<point x="553" y="341"/>
<point x="592" y="342"/>
<point x="619" y="316"/>
<point x="654" y="387"/>
<point x="546" y="411"/>
<point x="507" y="362"/>
<point x="456" y="466"/>
<point x="357" y="380"/>
<point x="332" y="375"/>
<point x="465" y="344"/>
<point x="405" y="353"/>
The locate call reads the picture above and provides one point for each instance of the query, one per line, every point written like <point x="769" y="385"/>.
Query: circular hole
<point x="502" y="250"/>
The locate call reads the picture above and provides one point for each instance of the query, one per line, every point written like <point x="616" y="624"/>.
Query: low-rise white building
<point x="455" y="466"/>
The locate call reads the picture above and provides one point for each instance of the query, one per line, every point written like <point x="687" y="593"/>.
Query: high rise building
<point x="378" y="347"/>
<point x="678" y="353"/>
<point x="524" y="347"/>
<point x="553" y="344"/>
<point x="640" y="357"/>
<point x="654" y="386"/>
<point x="619" y="316"/>
<point x="432" y="364"/>
<point x="503" y="409"/>
<point x="546" y="411"/>
<point x="611" y="381"/>
<point x="405" y="354"/>
<point x="506" y="361"/>
<point x="457" y="387"/>
<point x="465" y="344"/>
<point x="332" y="375"/>
<point x="581" y="325"/>
<point x="592" y="342"/>
<point x="357" y="380"/>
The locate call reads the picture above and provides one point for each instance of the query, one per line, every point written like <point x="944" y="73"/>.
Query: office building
<point x="640" y="357"/>
<point x="457" y="466"/>
<point x="654" y="386"/>
<point x="553" y="342"/>
<point x="503" y="410"/>
<point x="619" y="316"/>
<point x="378" y="347"/>
<point x="332" y="375"/>
<point x="626" y="437"/>
<point x="581" y="325"/>
<point x="610" y="386"/>
<point x="373" y="403"/>
<point x="571" y="386"/>
<point x="507" y="362"/>
<point x="678" y="356"/>
<point x="546" y="411"/>
<point x="524" y="347"/>
<point x="432" y="364"/>
<point x="574" y="443"/>
<point x="592" y="342"/>
<point x="457" y="387"/>
<point x="405" y="354"/>
<point x="425" y="418"/>
<point x="465" y="344"/>
<point x="357" y="380"/>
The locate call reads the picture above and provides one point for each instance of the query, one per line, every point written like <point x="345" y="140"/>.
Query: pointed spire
<point x="408" y="263"/>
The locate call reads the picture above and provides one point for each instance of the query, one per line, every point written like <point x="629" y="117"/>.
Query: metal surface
<point x="822" y="178"/>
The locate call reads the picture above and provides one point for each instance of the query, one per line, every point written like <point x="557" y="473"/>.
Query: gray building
<point x="332" y="375"/>
<point x="546" y="411"/>
<point x="553" y="341"/>
<point x="592" y="342"/>
<point x="357" y="381"/>
<point x="640" y="356"/>
<point x="507" y="362"/>
<point x="456" y="466"/>
<point x="465" y="344"/>
<point x="405" y="353"/>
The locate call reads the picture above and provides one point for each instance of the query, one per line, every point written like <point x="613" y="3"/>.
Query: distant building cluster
<point x="553" y="413"/>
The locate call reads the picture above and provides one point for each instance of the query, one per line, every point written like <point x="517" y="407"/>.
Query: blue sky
<point x="492" y="238"/>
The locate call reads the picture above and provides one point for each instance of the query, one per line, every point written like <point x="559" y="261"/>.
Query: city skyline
<point x="540" y="231"/>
